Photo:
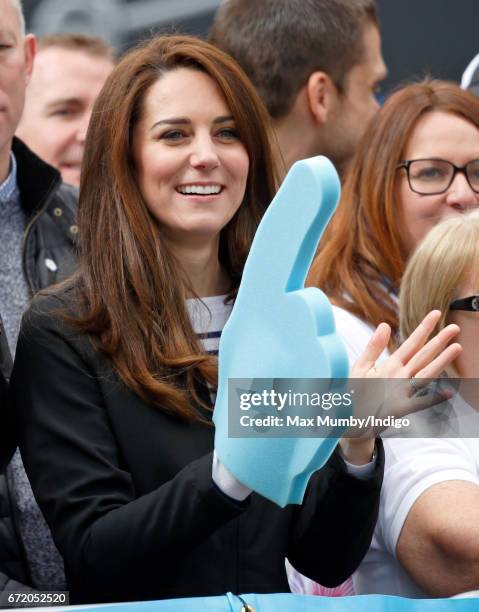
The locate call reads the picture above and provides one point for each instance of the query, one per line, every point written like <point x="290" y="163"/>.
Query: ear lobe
<point x="30" y="47"/>
<point x="321" y="94"/>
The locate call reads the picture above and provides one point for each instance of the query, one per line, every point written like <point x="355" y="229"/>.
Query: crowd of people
<point x="130" y="194"/>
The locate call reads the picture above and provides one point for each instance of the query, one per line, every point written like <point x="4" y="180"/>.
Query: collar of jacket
<point x="36" y="179"/>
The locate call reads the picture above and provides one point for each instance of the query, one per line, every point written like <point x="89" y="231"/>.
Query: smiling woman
<point x="189" y="117"/>
<point x="192" y="165"/>
<point x="385" y="212"/>
<point x="115" y="414"/>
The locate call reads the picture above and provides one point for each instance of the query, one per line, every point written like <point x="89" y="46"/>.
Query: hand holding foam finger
<point x="279" y="329"/>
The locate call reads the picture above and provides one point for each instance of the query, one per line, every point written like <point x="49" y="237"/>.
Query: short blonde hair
<point x="436" y="271"/>
<point x="75" y="41"/>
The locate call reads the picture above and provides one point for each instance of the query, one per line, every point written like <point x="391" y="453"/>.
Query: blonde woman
<point x="425" y="542"/>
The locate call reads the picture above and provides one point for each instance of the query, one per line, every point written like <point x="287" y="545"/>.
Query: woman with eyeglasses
<point x="417" y="163"/>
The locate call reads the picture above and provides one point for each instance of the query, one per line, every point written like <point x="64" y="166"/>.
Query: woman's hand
<point x="417" y="358"/>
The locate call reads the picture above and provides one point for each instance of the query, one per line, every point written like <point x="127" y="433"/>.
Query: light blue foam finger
<point x="287" y="237"/>
<point x="278" y="329"/>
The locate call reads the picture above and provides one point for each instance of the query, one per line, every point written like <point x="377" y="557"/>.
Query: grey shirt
<point x="14" y="294"/>
<point x="45" y="562"/>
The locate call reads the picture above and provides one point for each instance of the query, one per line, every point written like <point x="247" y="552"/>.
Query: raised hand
<point x="417" y="361"/>
<point x="279" y="329"/>
<point x="415" y="358"/>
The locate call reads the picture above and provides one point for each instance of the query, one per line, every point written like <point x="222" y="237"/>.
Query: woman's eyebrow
<point x="172" y="121"/>
<point x="185" y="121"/>
<point x="224" y="119"/>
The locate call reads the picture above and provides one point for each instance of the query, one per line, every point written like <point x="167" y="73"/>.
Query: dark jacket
<point x="7" y="439"/>
<point x="50" y="208"/>
<point x="128" y="494"/>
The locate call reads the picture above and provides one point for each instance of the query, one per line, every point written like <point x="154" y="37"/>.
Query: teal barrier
<point x="290" y="603"/>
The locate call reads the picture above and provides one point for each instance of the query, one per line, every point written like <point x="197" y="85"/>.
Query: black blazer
<point x="128" y="495"/>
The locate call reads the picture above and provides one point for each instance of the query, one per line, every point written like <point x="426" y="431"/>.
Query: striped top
<point x="208" y="317"/>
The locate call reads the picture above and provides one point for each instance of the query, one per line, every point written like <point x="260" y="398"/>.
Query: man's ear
<point x="30" y="46"/>
<point x="322" y="96"/>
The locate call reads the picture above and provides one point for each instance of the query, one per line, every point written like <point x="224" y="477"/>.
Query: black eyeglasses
<point x="435" y="176"/>
<point x="470" y="304"/>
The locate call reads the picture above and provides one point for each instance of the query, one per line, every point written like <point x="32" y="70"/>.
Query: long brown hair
<point x="362" y="256"/>
<point x="131" y="288"/>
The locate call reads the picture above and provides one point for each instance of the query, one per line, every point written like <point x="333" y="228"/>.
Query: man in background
<point x="37" y="236"/>
<point x="316" y="64"/>
<point x="69" y="72"/>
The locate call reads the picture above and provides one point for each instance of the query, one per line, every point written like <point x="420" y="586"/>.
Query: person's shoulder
<point x="68" y="191"/>
<point x="67" y="195"/>
<point x="415" y="464"/>
<point x="353" y="331"/>
<point x="345" y="320"/>
<point x="49" y="309"/>
<point x="422" y="454"/>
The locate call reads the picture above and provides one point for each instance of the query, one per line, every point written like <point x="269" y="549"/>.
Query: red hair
<point x="362" y="255"/>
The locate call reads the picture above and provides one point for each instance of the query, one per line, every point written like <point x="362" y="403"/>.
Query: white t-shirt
<point x="412" y="465"/>
<point x="354" y="333"/>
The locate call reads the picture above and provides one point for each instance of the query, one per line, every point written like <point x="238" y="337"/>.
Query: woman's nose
<point x="204" y="154"/>
<point x="460" y="194"/>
